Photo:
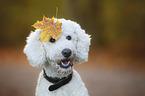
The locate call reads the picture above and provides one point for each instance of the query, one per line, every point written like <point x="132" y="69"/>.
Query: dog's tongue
<point x="65" y="63"/>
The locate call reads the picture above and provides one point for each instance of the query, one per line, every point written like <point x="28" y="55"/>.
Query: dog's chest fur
<point x="75" y="87"/>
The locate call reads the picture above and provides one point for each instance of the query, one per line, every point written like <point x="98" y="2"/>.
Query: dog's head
<point x="71" y="46"/>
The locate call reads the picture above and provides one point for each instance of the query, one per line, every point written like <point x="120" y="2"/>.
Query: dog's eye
<point x="52" y="40"/>
<point x="68" y="37"/>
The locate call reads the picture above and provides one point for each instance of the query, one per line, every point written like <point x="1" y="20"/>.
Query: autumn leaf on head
<point x="50" y="29"/>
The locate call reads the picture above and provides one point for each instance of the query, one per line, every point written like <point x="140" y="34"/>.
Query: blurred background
<point x="116" y="65"/>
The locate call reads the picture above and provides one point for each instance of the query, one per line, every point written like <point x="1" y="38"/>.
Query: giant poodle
<point x="56" y="57"/>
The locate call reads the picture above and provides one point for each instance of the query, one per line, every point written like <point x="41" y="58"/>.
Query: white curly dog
<point x="57" y="57"/>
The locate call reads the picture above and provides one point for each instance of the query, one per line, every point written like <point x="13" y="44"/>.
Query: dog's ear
<point x="34" y="49"/>
<point x="83" y="43"/>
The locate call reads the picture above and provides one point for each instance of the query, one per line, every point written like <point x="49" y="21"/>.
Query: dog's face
<point x="62" y="52"/>
<point x="72" y="46"/>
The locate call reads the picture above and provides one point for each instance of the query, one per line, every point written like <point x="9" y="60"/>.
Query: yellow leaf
<point x="50" y="29"/>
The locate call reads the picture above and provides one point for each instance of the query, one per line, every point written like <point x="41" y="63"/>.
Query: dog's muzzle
<point x="68" y="59"/>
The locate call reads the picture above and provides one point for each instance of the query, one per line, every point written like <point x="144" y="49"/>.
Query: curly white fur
<point x="48" y="54"/>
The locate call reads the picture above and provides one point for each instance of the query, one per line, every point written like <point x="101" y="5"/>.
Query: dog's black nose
<point x="66" y="52"/>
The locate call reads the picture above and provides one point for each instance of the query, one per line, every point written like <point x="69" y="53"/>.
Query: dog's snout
<point x="66" y="52"/>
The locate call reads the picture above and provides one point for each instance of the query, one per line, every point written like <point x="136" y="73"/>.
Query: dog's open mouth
<point x="65" y="63"/>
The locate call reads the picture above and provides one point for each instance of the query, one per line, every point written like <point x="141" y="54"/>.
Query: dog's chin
<point x="65" y="65"/>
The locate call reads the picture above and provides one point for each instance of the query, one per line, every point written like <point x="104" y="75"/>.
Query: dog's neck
<point x="53" y="72"/>
<point x="57" y="82"/>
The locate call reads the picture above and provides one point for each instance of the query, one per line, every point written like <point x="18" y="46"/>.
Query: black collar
<point x="57" y="81"/>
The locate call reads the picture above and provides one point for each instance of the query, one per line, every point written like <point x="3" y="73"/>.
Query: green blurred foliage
<point x="110" y="22"/>
<point x="17" y="16"/>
